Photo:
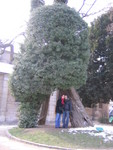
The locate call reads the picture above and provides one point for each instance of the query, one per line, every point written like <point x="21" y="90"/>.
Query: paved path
<point x="10" y="144"/>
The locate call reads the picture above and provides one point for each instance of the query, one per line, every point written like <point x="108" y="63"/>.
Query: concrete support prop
<point x="50" y="119"/>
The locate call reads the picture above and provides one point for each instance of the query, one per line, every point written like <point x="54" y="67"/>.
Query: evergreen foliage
<point x="99" y="85"/>
<point x="60" y="44"/>
<point x="61" y="1"/>
<point x="54" y="55"/>
<point x="36" y="3"/>
<point x="28" y="116"/>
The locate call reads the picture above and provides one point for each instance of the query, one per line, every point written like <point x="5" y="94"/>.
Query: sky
<point x="15" y="13"/>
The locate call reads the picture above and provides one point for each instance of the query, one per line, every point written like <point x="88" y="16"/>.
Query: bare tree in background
<point x="90" y="7"/>
<point x="5" y="45"/>
<point x="87" y="12"/>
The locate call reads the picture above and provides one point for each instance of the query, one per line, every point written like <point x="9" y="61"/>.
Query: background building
<point x="8" y="106"/>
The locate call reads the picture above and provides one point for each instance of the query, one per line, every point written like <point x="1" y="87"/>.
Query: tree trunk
<point x="79" y="117"/>
<point x="43" y="113"/>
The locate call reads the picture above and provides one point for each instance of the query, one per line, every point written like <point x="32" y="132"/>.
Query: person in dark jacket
<point x="66" y="112"/>
<point x="59" y="111"/>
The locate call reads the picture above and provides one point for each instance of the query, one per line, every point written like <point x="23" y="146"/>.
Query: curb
<point x="35" y="144"/>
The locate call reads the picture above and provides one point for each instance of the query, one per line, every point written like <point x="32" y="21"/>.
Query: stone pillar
<point x="50" y="118"/>
<point x="4" y="96"/>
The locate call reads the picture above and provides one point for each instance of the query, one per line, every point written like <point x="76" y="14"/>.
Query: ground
<point x="105" y="133"/>
<point x="11" y="144"/>
<point x="100" y="136"/>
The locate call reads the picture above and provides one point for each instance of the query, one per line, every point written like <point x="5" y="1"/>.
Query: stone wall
<point x="97" y="113"/>
<point x="8" y="106"/>
<point x="12" y="110"/>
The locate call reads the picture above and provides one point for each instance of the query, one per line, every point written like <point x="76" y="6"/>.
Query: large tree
<point x="36" y="4"/>
<point x="55" y="55"/>
<point x="99" y="85"/>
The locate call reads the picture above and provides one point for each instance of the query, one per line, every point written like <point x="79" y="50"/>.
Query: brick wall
<point x="98" y="112"/>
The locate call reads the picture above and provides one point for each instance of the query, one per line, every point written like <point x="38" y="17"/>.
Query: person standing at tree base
<point x="59" y="111"/>
<point x="67" y="111"/>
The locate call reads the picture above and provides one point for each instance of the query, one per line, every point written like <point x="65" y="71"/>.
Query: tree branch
<point x="102" y="10"/>
<point x="82" y="6"/>
<point x="3" y="47"/>
<point x="86" y="14"/>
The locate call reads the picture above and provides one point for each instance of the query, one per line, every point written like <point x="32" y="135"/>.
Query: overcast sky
<point x="15" y="13"/>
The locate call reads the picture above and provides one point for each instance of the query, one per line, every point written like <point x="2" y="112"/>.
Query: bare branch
<point x="22" y="33"/>
<point x="86" y="14"/>
<point x="94" y="13"/>
<point x="82" y="6"/>
<point x="3" y="48"/>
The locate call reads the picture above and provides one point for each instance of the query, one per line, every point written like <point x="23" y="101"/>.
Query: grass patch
<point x="56" y="137"/>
